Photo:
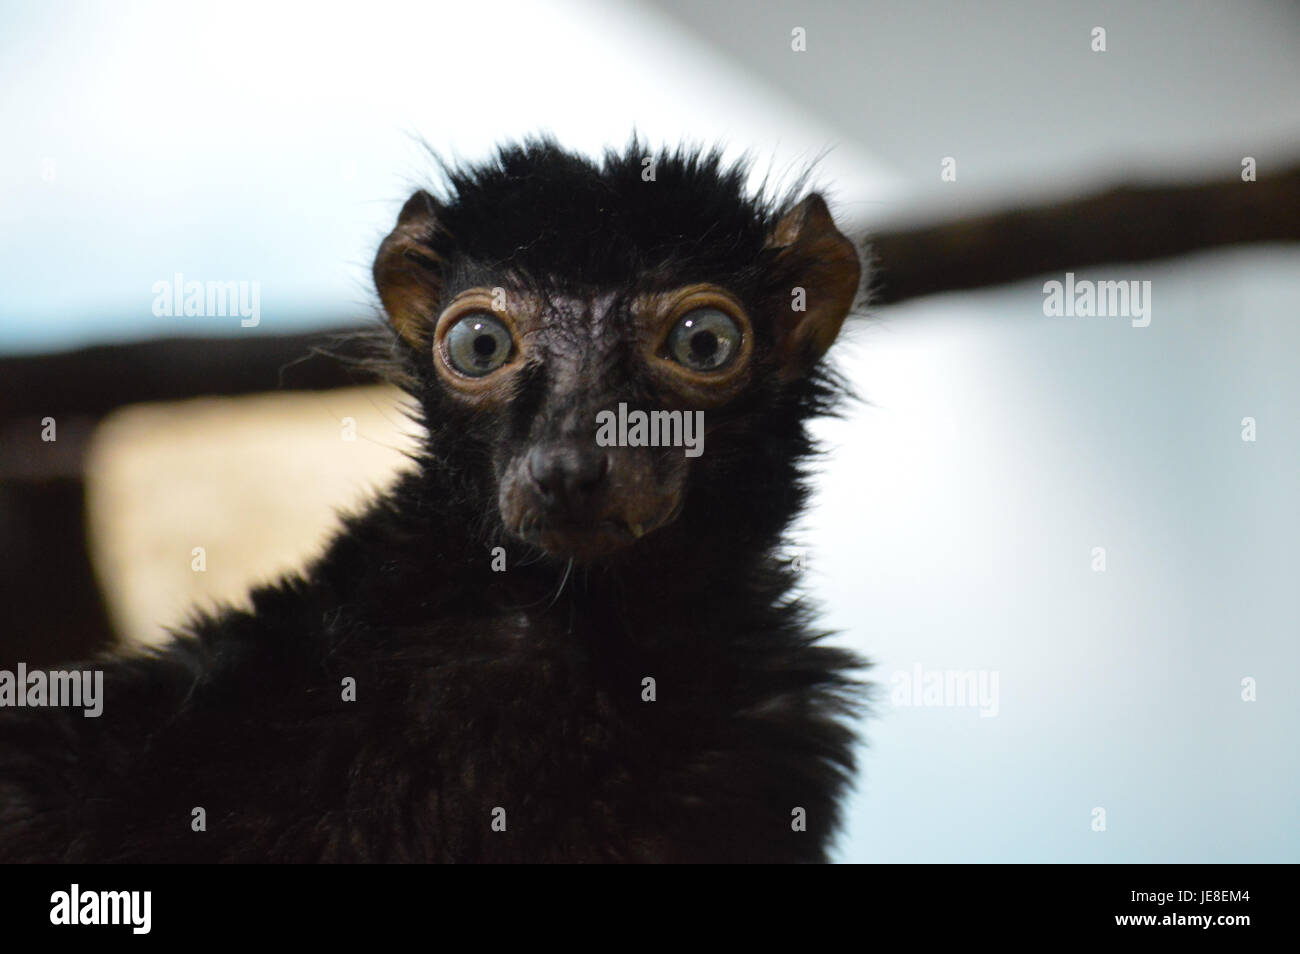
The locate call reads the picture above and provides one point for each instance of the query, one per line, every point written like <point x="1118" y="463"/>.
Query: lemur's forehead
<point x="572" y="323"/>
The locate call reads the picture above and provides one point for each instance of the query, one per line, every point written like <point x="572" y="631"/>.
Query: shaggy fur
<point x="477" y="690"/>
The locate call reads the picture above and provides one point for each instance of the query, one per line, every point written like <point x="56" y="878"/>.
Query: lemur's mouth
<point x="564" y="536"/>
<point x="573" y="502"/>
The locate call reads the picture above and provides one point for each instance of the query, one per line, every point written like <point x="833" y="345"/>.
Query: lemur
<point x="542" y="644"/>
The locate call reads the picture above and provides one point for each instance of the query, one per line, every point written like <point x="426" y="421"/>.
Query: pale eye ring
<point x="478" y="344"/>
<point x="704" y="339"/>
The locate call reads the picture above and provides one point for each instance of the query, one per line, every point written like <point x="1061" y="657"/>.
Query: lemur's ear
<point x="407" y="272"/>
<point x="812" y="255"/>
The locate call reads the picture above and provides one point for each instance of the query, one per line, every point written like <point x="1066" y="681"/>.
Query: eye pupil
<point x="485" y="346"/>
<point x="704" y="344"/>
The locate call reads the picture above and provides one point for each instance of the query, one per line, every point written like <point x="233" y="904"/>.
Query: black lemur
<point x="545" y="643"/>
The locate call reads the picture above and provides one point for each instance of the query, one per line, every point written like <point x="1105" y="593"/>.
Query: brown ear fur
<point x="406" y="271"/>
<point x="820" y="259"/>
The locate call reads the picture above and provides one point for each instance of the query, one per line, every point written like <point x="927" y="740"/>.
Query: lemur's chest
<point x="549" y="735"/>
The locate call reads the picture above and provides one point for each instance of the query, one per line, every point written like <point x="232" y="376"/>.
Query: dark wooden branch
<point x="93" y="381"/>
<point x="1128" y="224"/>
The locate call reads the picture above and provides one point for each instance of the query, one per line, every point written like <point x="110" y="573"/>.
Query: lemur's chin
<point x="582" y="542"/>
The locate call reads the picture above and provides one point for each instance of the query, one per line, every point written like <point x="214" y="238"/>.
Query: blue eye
<point x="704" y="339"/>
<point x="478" y="344"/>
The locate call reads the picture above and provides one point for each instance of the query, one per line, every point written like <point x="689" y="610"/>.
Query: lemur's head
<point x="603" y="350"/>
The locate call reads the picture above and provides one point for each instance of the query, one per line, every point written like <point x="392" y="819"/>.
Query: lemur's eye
<point x="704" y="339"/>
<point x="478" y="344"/>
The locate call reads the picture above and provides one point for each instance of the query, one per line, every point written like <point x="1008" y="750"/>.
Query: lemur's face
<point x="587" y="405"/>
<point x="599" y="403"/>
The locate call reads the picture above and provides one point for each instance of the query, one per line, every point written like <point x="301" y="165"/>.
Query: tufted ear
<point x="407" y="271"/>
<point x="813" y="255"/>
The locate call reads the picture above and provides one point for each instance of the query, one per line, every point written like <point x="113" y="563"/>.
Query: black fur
<point x="477" y="689"/>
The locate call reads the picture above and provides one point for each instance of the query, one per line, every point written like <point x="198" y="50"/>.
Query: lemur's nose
<point x="567" y="476"/>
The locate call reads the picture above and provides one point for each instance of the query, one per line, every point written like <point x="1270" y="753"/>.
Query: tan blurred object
<point x="257" y="482"/>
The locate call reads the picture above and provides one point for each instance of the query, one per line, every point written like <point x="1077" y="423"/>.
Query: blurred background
<point x="1093" y="521"/>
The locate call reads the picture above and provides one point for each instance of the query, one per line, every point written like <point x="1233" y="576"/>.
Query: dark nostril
<point x="566" y="474"/>
<point x="591" y="471"/>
